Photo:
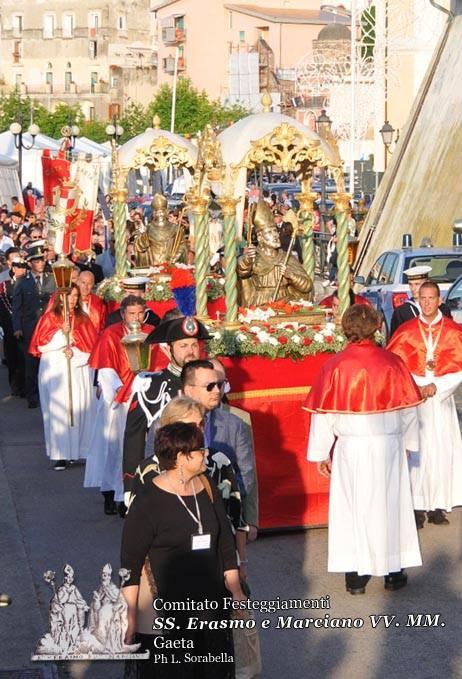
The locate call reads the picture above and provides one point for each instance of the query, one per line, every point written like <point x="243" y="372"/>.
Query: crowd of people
<point x="171" y="456"/>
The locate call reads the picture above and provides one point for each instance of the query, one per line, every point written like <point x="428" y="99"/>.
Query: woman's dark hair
<point x="57" y="307"/>
<point x="179" y="437"/>
<point x="359" y="322"/>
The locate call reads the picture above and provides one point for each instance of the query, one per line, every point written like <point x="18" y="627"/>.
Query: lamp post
<point x="387" y="131"/>
<point x="119" y="197"/>
<point x="17" y="132"/>
<point x="323" y="124"/>
<point x="70" y="134"/>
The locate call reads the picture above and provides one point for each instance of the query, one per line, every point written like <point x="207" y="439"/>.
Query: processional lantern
<point x="138" y="352"/>
<point x="62" y="272"/>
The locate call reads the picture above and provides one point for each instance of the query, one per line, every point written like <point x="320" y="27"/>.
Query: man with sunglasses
<point x="179" y="338"/>
<point x="224" y="431"/>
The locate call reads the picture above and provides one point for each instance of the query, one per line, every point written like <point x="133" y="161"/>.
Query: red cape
<point x="83" y="335"/>
<point x="97" y="312"/>
<point x="363" y="378"/>
<point x="407" y="342"/>
<point x="110" y="353"/>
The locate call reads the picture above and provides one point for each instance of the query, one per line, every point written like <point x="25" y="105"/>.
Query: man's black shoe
<point x="33" y="404"/>
<point x="59" y="465"/>
<point x="437" y="517"/>
<point x="110" y="507"/>
<point x="122" y="510"/>
<point x="419" y="518"/>
<point x="356" y="584"/>
<point x="395" y="581"/>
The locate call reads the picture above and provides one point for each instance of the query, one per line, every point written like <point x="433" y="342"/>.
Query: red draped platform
<point x="291" y="492"/>
<point x="161" y="308"/>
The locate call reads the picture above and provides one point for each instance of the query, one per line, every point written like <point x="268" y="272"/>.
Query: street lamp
<point x="114" y="130"/>
<point x="70" y="134"/>
<point x="16" y="131"/>
<point x="323" y="125"/>
<point x="387" y="132"/>
<point x="119" y="196"/>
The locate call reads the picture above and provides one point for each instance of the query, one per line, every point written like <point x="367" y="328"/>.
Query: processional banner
<point x="85" y="176"/>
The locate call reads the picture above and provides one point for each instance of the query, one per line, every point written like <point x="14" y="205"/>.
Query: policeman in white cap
<point x="416" y="275"/>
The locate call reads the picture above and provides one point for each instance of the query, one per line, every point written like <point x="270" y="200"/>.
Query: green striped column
<point x="342" y="207"/>
<point x="199" y="206"/>
<point x="228" y="206"/>
<point x="305" y="219"/>
<point x="119" y="215"/>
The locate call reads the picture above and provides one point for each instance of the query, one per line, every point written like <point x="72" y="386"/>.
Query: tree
<point x="135" y="120"/>
<point x="15" y="107"/>
<point x="52" y="123"/>
<point x="94" y="130"/>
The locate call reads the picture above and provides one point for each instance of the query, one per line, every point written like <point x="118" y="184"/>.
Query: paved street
<point x="48" y="519"/>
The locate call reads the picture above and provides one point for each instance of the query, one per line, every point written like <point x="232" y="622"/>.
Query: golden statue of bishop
<point x="163" y="241"/>
<point x="260" y="269"/>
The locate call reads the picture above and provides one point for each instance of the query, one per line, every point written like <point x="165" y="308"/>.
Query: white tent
<point x="9" y="180"/>
<point x="31" y="159"/>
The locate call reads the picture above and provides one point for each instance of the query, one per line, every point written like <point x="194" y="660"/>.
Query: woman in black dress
<point x="186" y="536"/>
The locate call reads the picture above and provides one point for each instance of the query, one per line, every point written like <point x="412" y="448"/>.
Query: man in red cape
<point x="431" y="347"/>
<point x="363" y="401"/>
<point x="104" y="465"/>
<point x="93" y="305"/>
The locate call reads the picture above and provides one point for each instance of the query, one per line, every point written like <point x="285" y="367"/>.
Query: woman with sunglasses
<point x="180" y="525"/>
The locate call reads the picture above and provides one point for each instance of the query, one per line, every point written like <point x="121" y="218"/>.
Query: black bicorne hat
<point x="185" y="327"/>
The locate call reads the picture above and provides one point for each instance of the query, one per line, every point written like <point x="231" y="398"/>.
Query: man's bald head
<point x="86" y="282"/>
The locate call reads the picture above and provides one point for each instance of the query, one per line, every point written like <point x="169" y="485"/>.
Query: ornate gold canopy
<point x="161" y="154"/>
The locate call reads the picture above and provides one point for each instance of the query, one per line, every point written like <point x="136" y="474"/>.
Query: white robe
<point x="436" y="473"/>
<point x="104" y="464"/>
<point x="64" y="442"/>
<point x="372" y="529"/>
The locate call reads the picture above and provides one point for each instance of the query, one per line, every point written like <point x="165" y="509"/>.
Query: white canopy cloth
<point x="9" y="180"/>
<point x="142" y="143"/>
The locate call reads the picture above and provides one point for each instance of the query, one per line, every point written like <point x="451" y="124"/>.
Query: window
<point x="122" y="22"/>
<point x="68" y="25"/>
<point x="91" y="113"/>
<point x="17" y="23"/>
<point x="114" y="81"/>
<point x="92" y="49"/>
<point x="93" y="81"/>
<point x="18" y="80"/>
<point x="374" y="274"/>
<point x="179" y="22"/>
<point x="114" y="110"/>
<point x="48" y="26"/>
<point x="67" y="81"/>
<point x="17" y="51"/>
<point x="388" y="269"/>
<point x="241" y="36"/>
<point x="94" y="21"/>
<point x="49" y="80"/>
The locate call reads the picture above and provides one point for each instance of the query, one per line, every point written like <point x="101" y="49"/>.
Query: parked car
<point x="386" y="286"/>
<point x="454" y="299"/>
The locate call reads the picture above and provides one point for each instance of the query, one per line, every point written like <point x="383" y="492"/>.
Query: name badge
<point x="201" y="541"/>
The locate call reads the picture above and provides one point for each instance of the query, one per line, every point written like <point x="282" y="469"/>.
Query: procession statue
<point x="104" y="635"/>
<point x="67" y="615"/>
<point x="162" y="241"/>
<point x="266" y="273"/>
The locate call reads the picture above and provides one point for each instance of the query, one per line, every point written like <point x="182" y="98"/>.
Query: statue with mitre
<point x="266" y="273"/>
<point x="163" y="241"/>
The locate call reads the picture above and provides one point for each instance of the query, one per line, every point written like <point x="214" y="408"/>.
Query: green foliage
<point x="15" y="107"/>
<point x="94" y="130"/>
<point x="368" y="32"/>
<point x="51" y="123"/>
<point x="134" y="121"/>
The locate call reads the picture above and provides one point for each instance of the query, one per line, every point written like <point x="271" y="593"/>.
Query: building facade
<point x="236" y="50"/>
<point x="100" y="55"/>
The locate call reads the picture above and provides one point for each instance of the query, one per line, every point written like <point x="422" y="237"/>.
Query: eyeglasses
<point x="210" y="386"/>
<point x="203" y="451"/>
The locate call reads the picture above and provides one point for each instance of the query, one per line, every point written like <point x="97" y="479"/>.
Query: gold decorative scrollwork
<point x="160" y="155"/>
<point x="286" y="147"/>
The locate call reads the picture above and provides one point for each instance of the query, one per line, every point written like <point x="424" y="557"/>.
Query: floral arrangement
<point x="158" y="290"/>
<point x="271" y="309"/>
<point x="282" y="340"/>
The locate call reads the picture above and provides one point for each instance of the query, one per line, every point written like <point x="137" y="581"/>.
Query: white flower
<point x="117" y="288"/>
<point x="263" y="336"/>
<point x="318" y="337"/>
<point x="330" y="326"/>
<point x="273" y="341"/>
<point x="255" y="328"/>
<point x="159" y="287"/>
<point x="296" y="339"/>
<point x="241" y="337"/>
<point x="216" y="334"/>
<point x="221" y="281"/>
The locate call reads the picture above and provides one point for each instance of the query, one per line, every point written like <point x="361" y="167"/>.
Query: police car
<point x="386" y="285"/>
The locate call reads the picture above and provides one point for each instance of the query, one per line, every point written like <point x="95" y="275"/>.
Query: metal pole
<point x="68" y="360"/>
<point x="353" y="57"/>
<point x="20" y="160"/>
<point x="175" y="76"/>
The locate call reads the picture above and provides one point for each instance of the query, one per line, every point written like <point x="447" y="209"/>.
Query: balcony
<point x="172" y="35"/>
<point x="169" y="64"/>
